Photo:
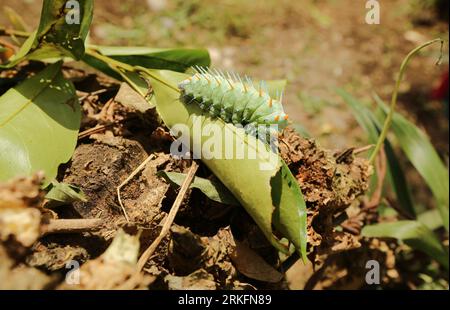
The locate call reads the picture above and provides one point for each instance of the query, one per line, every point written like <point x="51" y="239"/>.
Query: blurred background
<point x="317" y="45"/>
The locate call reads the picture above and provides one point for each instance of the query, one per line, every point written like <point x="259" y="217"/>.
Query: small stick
<point x="93" y="130"/>
<point x="7" y="44"/>
<point x="72" y="226"/>
<point x="381" y="169"/>
<point x="136" y="171"/>
<point x="363" y="149"/>
<point x="287" y="145"/>
<point x="85" y="95"/>
<point x="170" y="218"/>
<point x="13" y="32"/>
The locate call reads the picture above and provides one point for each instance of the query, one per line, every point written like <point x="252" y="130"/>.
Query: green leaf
<point x="412" y="233"/>
<point x="271" y="195"/>
<point x="395" y="174"/>
<point x="431" y="218"/>
<point x="421" y="153"/>
<point x="289" y="216"/>
<point x="62" y="29"/>
<point x="214" y="190"/>
<point x="63" y="193"/>
<point x="39" y="122"/>
<point x="175" y="59"/>
<point x="59" y="33"/>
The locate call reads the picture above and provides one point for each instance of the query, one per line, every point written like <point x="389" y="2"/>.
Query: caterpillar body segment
<point x="234" y="101"/>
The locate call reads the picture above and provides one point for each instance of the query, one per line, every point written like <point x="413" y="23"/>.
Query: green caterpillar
<point x="234" y="101"/>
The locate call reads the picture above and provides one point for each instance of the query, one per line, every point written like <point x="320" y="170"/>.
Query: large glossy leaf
<point x="271" y="195"/>
<point x="395" y="174"/>
<point x="421" y="153"/>
<point x="412" y="233"/>
<point x="39" y="122"/>
<point x="175" y="59"/>
<point x="214" y="190"/>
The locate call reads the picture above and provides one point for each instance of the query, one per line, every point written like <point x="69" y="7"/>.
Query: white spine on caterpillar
<point x="234" y="101"/>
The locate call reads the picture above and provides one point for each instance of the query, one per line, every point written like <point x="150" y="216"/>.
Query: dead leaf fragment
<point x="19" y="216"/>
<point x="129" y="98"/>
<point x="23" y="224"/>
<point x="198" y="280"/>
<point x="20" y="277"/>
<point x="114" y="269"/>
<point x="254" y="266"/>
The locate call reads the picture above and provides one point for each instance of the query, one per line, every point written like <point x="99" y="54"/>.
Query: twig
<point x="170" y="218"/>
<point x="136" y="171"/>
<point x="363" y="149"/>
<point x="7" y="44"/>
<point x="354" y="223"/>
<point x="85" y="95"/>
<point x="287" y="145"/>
<point x="381" y="174"/>
<point x="72" y="226"/>
<point x="93" y="130"/>
<point x="12" y="32"/>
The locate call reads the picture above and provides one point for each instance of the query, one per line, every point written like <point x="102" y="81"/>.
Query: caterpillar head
<point x="282" y="120"/>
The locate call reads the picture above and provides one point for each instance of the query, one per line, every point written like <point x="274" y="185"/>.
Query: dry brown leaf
<point x="129" y="98"/>
<point x="198" y="280"/>
<point x="20" y="277"/>
<point x="114" y="269"/>
<point x="253" y="266"/>
<point x="19" y="216"/>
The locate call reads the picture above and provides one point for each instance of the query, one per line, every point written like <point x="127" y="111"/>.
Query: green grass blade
<point x="412" y="233"/>
<point x="421" y="153"/>
<point x="395" y="174"/>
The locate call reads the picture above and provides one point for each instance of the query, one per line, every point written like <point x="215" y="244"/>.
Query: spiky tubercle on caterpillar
<point x="235" y="101"/>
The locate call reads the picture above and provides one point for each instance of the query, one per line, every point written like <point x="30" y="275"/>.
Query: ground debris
<point x="100" y="167"/>
<point x="55" y="257"/>
<point x="15" y="276"/>
<point x="329" y="185"/>
<point x="250" y="264"/>
<point x="198" y="280"/>
<point x="116" y="268"/>
<point x="20" y="215"/>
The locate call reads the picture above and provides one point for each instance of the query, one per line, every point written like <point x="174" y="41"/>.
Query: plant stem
<point x="388" y="121"/>
<point x="117" y="65"/>
<point x="114" y="64"/>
